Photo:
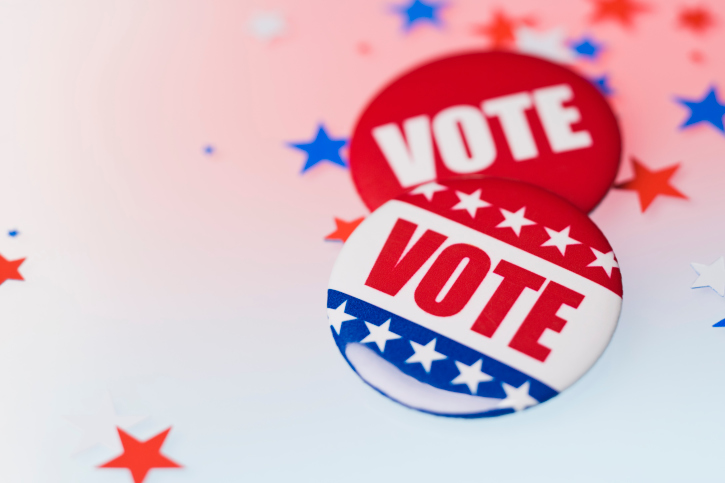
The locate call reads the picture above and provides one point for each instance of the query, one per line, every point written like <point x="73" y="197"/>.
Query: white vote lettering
<point x="464" y="139"/>
<point x="413" y="163"/>
<point x="511" y="113"/>
<point x="557" y="119"/>
<point x="452" y="145"/>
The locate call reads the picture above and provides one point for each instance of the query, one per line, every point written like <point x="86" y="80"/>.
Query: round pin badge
<point x="475" y="297"/>
<point x="495" y="113"/>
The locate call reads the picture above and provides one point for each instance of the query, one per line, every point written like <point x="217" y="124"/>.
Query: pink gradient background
<point x="193" y="287"/>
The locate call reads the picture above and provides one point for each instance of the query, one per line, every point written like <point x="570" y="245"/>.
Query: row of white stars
<point x="516" y="221"/>
<point x="425" y="355"/>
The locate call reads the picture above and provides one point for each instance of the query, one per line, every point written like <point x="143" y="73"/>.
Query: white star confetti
<point x="267" y="26"/>
<point x="712" y="276"/>
<point x="550" y="45"/>
<point x="100" y="428"/>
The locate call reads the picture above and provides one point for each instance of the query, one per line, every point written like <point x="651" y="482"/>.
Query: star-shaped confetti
<point x="697" y="19"/>
<point x="322" y="148"/>
<point x="379" y="334"/>
<point x="501" y="29"/>
<point x="425" y="354"/>
<point x="720" y="324"/>
<point x="344" y="229"/>
<point x="517" y="398"/>
<point x="471" y="375"/>
<point x="605" y="261"/>
<point x="364" y="48"/>
<point x="419" y="11"/>
<point x="602" y="83"/>
<point x="515" y="220"/>
<point x="622" y="11"/>
<point x="9" y="269"/>
<point x="338" y="316"/>
<point x="100" y="428"/>
<point x="559" y="239"/>
<point x="649" y="184"/>
<point x="697" y="57"/>
<point x="586" y="47"/>
<point x="709" y="109"/>
<point x="712" y="276"/>
<point x="267" y="26"/>
<point x="13" y="233"/>
<point x="428" y="190"/>
<point x="550" y="45"/>
<point x="139" y="457"/>
<point x="471" y="203"/>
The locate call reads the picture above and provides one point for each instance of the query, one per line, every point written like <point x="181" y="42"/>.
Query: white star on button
<point x="549" y="45"/>
<point x="380" y="334"/>
<point x="471" y="203"/>
<point x="712" y="275"/>
<point x="428" y="190"/>
<point x="425" y="354"/>
<point x="604" y="260"/>
<point x="517" y="398"/>
<point x="471" y="375"/>
<point x="338" y="316"/>
<point x="515" y="221"/>
<point x="559" y="239"/>
<point x="100" y="428"/>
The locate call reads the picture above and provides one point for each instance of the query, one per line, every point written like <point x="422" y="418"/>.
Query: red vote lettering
<point x="543" y="316"/>
<point x="515" y="279"/>
<point x="390" y="273"/>
<point x="463" y="287"/>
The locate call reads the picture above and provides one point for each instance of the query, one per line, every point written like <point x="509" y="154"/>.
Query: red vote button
<point x="495" y="113"/>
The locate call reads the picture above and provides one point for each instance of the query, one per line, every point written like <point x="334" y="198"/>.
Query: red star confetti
<point x="139" y="457"/>
<point x="9" y="269"/>
<point x="649" y="184"/>
<point x="501" y="29"/>
<point x="344" y="229"/>
<point x="697" y="19"/>
<point x="696" y="56"/>
<point x="622" y="11"/>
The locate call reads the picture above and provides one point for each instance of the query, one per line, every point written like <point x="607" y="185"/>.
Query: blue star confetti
<point x="708" y="109"/>
<point x="602" y="83"/>
<point x="720" y="324"/>
<point x="13" y="233"/>
<point x="586" y="47"/>
<point x="417" y="11"/>
<point x="209" y="150"/>
<point x="322" y="148"/>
